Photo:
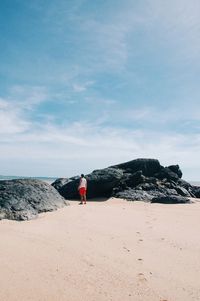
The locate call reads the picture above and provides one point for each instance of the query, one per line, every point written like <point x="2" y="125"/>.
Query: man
<point x="82" y="188"/>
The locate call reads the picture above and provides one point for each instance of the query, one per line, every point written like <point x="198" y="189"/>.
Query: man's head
<point x="82" y="175"/>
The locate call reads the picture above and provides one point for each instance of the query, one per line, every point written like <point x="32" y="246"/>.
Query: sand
<point x="109" y="250"/>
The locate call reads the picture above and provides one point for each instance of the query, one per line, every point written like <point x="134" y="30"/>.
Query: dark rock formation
<point x="182" y="191"/>
<point x="195" y="191"/>
<point x="176" y="169"/>
<point x="148" y="167"/>
<point x="60" y="182"/>
<point x="170" y="200"/>
<point x="140" y="179"/>
<point x="167" y="173"/>
<point x="24" y="199"/>
<point x="100" y="183"/>
<point x="134" y="194"/>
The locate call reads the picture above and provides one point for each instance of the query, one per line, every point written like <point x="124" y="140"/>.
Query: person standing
<point x="82" y="188"/>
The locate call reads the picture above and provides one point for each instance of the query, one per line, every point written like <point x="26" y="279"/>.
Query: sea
<point x="48" y="180"/>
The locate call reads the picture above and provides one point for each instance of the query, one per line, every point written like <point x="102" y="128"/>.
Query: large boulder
<point x="196" y="191"/>
<point x="176" y="169"/>
<point x="23" y="199"/>
<point x="100" y="184"/>
<point x="167" y="173"/>
<point x="149" y="167"/>
<point x="58" y="183"/>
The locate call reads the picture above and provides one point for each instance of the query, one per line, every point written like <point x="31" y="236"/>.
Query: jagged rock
<point x="147" y="186"/>
<point x="176" y="170"/>
<point x="184" y="184"/>
<point x="141" y="194"/>
<point x="134" y="195"/>
<point x="170" y="200"/>
<point x="23" y="199"/>
<point x="60" y="182"/>
<point x="148" y="166"/>
<point x="191" y="189"/>
<point x="196" y="191"/>
<point x="168" y="174"/>
<point x="182" y="191"/>
<point x="100" y="184"/>
<point x="134" y="179"/>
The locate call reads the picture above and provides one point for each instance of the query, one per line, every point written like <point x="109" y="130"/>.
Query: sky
<point x="85" y="84"/>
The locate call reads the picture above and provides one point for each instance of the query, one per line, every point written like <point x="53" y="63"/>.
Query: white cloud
<point x="86" y="146"/>
<point x="175" y="113"/>
<point x="11" y="121"/>
<point x="27" y="96"/>
<point x="82" y="87"/>
<point x="175" y="24"/>
<point x="13" y="108"/>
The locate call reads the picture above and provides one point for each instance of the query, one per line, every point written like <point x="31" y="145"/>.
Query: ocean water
<point x="48" y="180"/>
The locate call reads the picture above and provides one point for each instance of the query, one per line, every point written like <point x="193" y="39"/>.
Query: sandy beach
<point x="108" y="250"/>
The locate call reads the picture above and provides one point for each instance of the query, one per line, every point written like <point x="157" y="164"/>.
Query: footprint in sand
<point x="141" y="277"/>
<point x="126" y="249"/>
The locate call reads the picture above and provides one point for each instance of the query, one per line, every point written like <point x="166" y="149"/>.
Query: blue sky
<point x="87" y="84"/>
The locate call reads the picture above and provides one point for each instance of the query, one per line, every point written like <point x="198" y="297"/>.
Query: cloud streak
<point x="58" y="151"/>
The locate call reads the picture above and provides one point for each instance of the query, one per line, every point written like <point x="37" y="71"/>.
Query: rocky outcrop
<point x="100" y="183"/>
<point x="24" y="199"/>
<point x="196" y="191"/>
<point x="60" y="182"/>
<point x="140" y="179"/>
<point x="148" y="167"/>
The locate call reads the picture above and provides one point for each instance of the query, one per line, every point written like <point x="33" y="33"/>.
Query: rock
<point x="134" y="179"/>
<point x="139" y="194"/>
<point x="58" y="183"/>
<point x="176" y="170"/>
<point x="134" y="195"/>
<point x="191" y="189"/>
<point x="100" y="184"/>
<point x="184" y="184"/>
<point x="170" y="200"/>
<point x="196" y="191"/>
<point x="168" y="174"/>
<point x="148" y="166"/>
<point x="70" y="190"/>
<point x="23" y="199"/>
<point x="182" y="191"/>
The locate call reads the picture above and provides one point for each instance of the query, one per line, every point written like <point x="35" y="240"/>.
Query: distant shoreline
<point x="48" y="180"/>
